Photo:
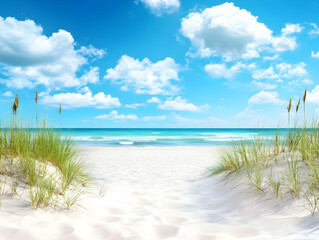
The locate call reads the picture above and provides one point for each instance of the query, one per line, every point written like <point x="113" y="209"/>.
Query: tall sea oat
<point x="15" y="108"/>
<point x="36" y="104"/>
<point x="297" y="107"/>
<point x="60" y="110"/>
<point x="288" y="109"/>
<point x="304" y="105"/>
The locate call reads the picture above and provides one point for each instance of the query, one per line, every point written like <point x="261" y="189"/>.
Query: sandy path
<point x="162" y="193"/>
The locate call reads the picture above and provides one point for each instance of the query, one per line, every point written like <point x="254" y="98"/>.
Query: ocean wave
<point x="126" y="143"/>
<point x="223" y="139"/>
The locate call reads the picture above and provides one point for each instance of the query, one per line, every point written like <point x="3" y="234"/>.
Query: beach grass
<point x="285" y="165"/>
<point x="42" y="160"/>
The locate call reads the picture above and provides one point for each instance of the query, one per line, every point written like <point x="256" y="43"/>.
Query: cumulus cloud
<point x="135" y="105"/>
<point x="307" y="81"/>
<point x="287" y="70"/>
<point x="281" y="70"/>
<point x="76" y="100"/>
<point x="145" y="77"/>
<point x="232" y="33"/>
<point x="271" y="58"/>
<point x="151" y="118"/>
<point x="7" y="94"/>
<point x="158" y="7"/>
<point x="91" y="51"/>
<point x="221" y="70"/>
<point x="315" y="55"/>
<point x="115" y="116"/>
<point x="265" y="73"/>
<point x="179" y="104"/>
<point x="315" y="30"/>
<point x="154" y="100"/>
<point x="291" y="29"/>
<point x="202" y="122"/>
<point x="262" y="85"/>
<point x="265" y="97"/>
<point x="28" y="57"/>
<point x="313" y="96"/>
<point x="284" y="43"/>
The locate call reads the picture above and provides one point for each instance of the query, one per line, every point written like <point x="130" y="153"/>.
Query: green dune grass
<point x="283" y="165"/>
<point x="43" y="161"/>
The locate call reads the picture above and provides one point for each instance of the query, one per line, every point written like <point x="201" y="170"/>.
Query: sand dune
<point x="162" y="193"/>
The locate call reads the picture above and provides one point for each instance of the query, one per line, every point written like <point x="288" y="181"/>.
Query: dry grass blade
<point x="304" y="96"/>
<point x="60" y="109"/>
<point x="36" y="96"/>
<point x="297" y="107"/>
<point x="289" y="106"/>
<point x="16" y="101"/>
<point x="304" y="104"/>
<point x="288" y="109"/>
<point x="14" y="108"/>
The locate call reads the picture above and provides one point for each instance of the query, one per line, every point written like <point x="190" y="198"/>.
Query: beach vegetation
<point x="286" y="164"/>
<point x="42" y="160"/>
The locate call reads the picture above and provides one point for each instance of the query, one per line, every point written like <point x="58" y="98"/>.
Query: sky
<point x="159" y="63"/>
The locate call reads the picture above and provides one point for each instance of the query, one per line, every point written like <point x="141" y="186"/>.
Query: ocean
<point x="129" y="137"/>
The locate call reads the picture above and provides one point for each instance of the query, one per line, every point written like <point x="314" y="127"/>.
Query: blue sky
<point x="159" y="63"/>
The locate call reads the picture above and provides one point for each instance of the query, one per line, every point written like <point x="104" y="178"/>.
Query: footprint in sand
<point x="140" y="211"/>
<point x="244" y="232"/>
<point x="15" y="233"/>
<point x="175" y="220"/>
<point x="116" y="211"/>
<point x="103" y="232"/>
<point x="166" y="231"/>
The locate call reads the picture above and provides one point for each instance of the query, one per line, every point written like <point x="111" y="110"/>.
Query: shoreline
<point x="162" y="193"/>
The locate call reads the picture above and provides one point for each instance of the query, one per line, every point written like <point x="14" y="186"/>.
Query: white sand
<point x="162" y="193"/>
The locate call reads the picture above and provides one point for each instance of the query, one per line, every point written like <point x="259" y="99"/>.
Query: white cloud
<point x="221" y="70"/>
<point x="284" y="43"/>
<point x="7" y="94"/>
<point x="92" y="51"/>
<point x="115" y="116"/>
<point x="135" y="105"/>
<point x="144" y="76"/>
<point x="313" y="96"/>
<point x="247" y="113"/>
<point x="231" y="32"/>
<point x="85" y="90"/>
<point x="288" y="71"/>
<point x="307" y="81"/>
<point x="158" y="7"/>
<point x="266" y="86"/>
<point x="265" y="73"/>
<point x="315" y="55"/>
<point x="179" y="104"/>
<point x="315" y="30"/>
<point x="151" y="118"/>
<point x="282" y="70"/>
<point x="291" y="29"/>
<point x="75" y="100"/>
<point x="154" y="100"/>
<point x="29" y="58"/>
<point x="205" y="122"/>
<point x="274" y="57"/>
<point x="265" y="97"/>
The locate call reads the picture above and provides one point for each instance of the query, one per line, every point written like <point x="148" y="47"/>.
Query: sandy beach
<point x="161" y="193"/>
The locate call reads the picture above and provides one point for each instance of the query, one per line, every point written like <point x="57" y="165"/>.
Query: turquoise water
<point x="164" y="137"/>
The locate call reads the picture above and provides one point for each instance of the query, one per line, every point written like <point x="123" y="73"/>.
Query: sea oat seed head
<point x="304" y="96"/>
<point x="297" y="107"/>
<point x="36" y="96"/>
<point x="289" y="106"/>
